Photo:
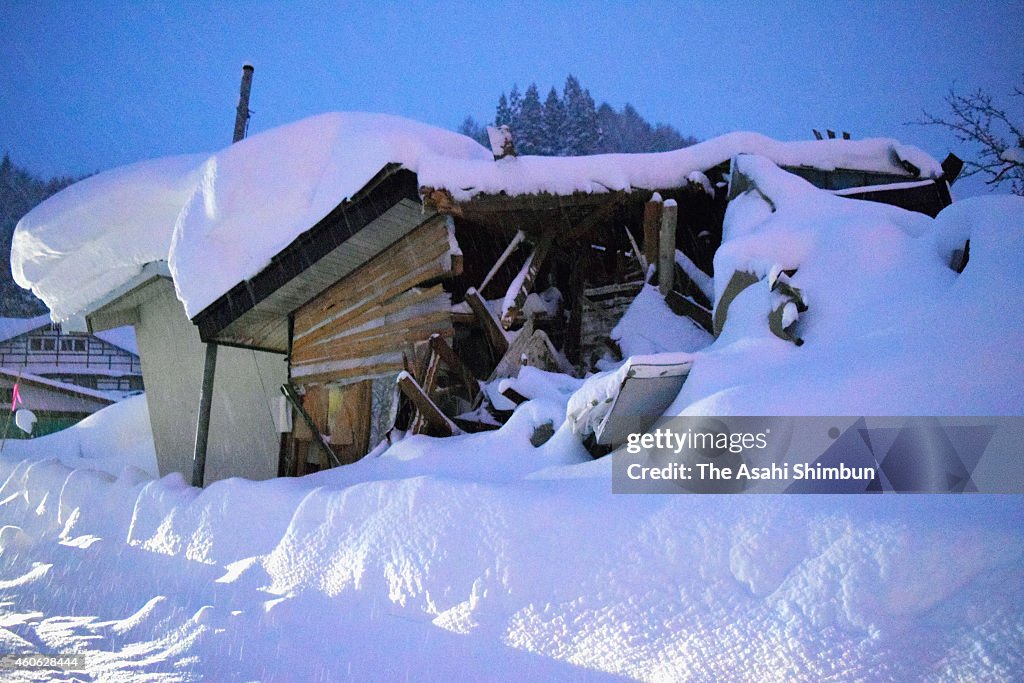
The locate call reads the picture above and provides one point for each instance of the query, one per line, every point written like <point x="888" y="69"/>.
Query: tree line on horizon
<point x="570" y="124"/>
<point x="20" y="192"/>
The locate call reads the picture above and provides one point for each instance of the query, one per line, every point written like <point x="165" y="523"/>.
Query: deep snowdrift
<point x="383" y="571"/>
<point x="109" y="440"/>
<point x="890" y="328"/>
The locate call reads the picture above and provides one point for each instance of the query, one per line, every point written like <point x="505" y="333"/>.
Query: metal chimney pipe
<point x="242" y="115"/>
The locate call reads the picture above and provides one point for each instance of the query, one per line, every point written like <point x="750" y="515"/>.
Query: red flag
<point x="15" y="398"/>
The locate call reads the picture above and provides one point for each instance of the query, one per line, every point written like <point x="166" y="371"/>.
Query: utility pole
<point x="242" y="114"/>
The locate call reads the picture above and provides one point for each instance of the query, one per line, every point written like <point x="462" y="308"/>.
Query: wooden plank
<point x="495" y="335"/>
<point x="429" y="385"/>
<point x="596" y="217"/>
<point x="439" y="346"/>
<point x="509" y="250"/>
<point x="652" y="226"/>
<point x="385" y="337"/>
<point x="293" y="397"/>
<point x="425" y="406"/>
<point x="407" y="304"/>
<point x="310" y="321"/>
<point x="667" y="247"/>
<point x="523" y="283"/>
<point x="680" y="305"/>
<point x="406" y="257"/>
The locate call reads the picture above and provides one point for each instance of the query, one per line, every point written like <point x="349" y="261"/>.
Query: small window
<point x="75" y="345"/>
<point x="42" y="344"/>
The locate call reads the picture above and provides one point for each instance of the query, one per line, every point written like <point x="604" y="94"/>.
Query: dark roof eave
<point x="389" y="186"/>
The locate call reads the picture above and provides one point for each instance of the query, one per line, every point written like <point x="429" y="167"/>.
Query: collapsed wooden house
<point x="397" y="307"/>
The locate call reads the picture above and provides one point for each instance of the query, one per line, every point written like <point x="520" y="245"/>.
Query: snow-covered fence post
<point x="667" y="246"/>
<point x="203" y="423"/>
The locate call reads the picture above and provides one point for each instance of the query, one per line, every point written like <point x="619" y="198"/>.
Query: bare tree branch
<point x="998" y="137"/>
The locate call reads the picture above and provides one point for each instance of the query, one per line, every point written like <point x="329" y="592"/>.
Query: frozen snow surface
<point x="484" y="558"/>
<point x="219" y="219"/>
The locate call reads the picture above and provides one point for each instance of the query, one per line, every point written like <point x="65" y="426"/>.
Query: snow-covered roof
<point x="121" y="337"/>
<point x="217" y="220"/>
<point x="14" y="327"/>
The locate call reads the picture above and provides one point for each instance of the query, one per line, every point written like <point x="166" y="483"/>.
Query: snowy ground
<point x="383" y="571"/>
<point x="483" y="557"/>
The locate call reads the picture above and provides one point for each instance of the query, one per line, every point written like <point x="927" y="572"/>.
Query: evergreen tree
<point x="554" y="116"/>
<point x="471" y="129"/>
<point x="515" y="105"/>
<point x="610" y="124"/>
<point x="529" y="132"/>
<point x="19" y="193"/>
<point x="503" y="115"/>
<point x="579" y="133"/>
<point x="572" y="125"/>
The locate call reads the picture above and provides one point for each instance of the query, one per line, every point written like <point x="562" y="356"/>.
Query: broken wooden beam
<point x="667" y="247"/>
<point x="495" y="335"/>
<point x="447" y="354"/>
<point x="522" y="284"/>
<point x="681" y="305"/>
<point x="440" y="200"/>
<point x="293" y="397"/>
<point x="652" y="226"/>
<point x="428" y="385"/>
<point x="509" y="250"/>
<point x="425" y="406"/>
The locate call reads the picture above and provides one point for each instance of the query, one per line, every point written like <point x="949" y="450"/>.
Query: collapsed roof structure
<point x="350" y="254"/>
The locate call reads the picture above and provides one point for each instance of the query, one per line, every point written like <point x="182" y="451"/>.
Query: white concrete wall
<point x="243" y="439"/>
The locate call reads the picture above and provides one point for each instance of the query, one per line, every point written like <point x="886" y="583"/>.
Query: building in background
<point x="64" y="376"/>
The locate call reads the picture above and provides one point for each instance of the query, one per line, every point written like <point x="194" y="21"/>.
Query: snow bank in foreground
<point x="890" y="328"/>
<point x="111" y="439"/>
<point x="218" y="220"/>
<point x="430" y="576"/>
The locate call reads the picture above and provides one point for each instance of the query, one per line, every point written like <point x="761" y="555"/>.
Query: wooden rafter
<point x="593" y="219"/>
<point x="425" y="406"/>
<point x="522" y="285"/>
<point x="447" y="354"/>
<point x="495" y="335"/>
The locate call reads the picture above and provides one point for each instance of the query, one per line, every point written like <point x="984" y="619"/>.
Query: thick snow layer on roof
<point x="215" y="219"/>
<point x="257" y="196"/>
<point x="95" y="235"/>
<point x="14" y="327"/>
<point x="218" y="220"/>
<point x="608" y="172"/>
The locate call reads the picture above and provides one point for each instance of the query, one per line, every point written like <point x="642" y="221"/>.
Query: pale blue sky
<point x="87" y="86"/>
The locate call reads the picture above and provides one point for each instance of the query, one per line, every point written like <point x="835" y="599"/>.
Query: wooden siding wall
<point x="362" y="326"/>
